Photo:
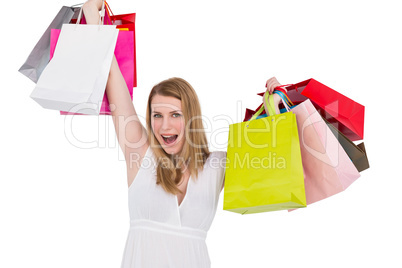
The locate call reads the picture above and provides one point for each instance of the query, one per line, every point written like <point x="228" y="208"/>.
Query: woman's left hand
<point x="271" y="84"/>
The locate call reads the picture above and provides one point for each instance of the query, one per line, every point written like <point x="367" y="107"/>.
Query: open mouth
<point x="169" y="139"/>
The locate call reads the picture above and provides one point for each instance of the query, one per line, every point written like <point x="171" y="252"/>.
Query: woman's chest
<point x="182" y="186"/>
<point x="194" y="207"/>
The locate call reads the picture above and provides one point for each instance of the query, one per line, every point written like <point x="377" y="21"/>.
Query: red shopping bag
<point x="342" y="112"/>
<point x="249" y="114"/>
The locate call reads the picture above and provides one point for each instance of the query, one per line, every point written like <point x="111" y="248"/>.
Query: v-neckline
<point x="185" y="195"/>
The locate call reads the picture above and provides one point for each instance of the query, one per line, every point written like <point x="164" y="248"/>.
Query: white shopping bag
<point x="75" y="79"/>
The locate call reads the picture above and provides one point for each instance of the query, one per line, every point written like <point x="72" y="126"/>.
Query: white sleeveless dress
<point x="164" y="234"/>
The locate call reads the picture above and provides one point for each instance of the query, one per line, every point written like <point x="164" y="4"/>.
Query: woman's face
<point x="167" y="121"/>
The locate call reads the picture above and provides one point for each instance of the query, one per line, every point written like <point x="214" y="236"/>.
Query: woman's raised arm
<point x="131" y="134"/>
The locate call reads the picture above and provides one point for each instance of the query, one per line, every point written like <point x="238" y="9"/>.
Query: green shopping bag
<point x="264" y="169"/>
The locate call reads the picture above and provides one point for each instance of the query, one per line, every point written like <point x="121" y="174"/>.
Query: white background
<point x="65" y="206"/>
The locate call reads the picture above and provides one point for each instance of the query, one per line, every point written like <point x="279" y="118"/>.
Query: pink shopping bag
<point x="124" y="53"/>
<point x="327" y="168"/>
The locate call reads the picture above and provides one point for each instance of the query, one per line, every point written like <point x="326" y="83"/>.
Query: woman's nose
<point x="165" y="123"/>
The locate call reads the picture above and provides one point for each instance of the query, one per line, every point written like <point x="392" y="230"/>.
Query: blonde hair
<point x="195" y="149"/>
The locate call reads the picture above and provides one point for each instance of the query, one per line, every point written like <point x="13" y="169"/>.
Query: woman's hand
<point x="271" y="84"/>
<point x="91" y="11"/>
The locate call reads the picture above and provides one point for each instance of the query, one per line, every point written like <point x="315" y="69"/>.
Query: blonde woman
<point x="174" y="180"/>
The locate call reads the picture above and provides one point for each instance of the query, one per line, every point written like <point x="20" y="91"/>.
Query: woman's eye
<point x="176" y="115"/>
<point x="157" y="116"/>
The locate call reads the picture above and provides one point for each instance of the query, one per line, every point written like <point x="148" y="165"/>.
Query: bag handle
<point x="283" y="93"/>
<point x="284" y="100"/>
<point x="269" y="100"/>
<point x="101" y="18"/>
<point x="108" y="9"/>
<point x="289" y="86"/>
<point x="271" y="110"/>
<point x="255" y="115"/>
<point x="108" y="13"/>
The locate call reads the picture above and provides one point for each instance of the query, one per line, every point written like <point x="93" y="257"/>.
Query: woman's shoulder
<point x="216" y="159"/>
<point x="217" y="155"/>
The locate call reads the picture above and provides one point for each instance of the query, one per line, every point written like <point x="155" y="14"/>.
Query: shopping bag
<point x="75" y="79"/>
<point x="263" y="168"/>
<point x="39" y="56"/>
<point x="124" y="56"/>
<point x="328" y="170"/>
<point x="356" y="153"/>
<point x="127" y="22"/>
<point x="122" y="22"/>
<point x="249" y="113"/>
<point x="344" y="113"/>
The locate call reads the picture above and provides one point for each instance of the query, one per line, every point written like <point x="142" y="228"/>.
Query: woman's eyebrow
<point x="172" y="112"/>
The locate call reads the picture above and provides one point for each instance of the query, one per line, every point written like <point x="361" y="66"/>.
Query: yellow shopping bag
<point x="264" y="169"/>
